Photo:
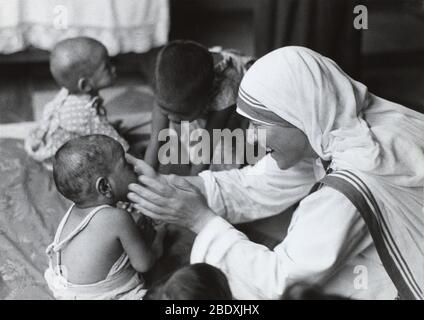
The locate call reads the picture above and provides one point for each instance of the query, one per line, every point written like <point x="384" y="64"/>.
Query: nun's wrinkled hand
<point x="178" y="203"/>
<point x="141" y="167"/>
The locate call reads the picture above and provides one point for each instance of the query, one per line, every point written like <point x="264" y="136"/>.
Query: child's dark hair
<point x="305" y="291"/>
<point x="81" y="161"/>
<point x="184" y="75"/>
<point x="198" y="281"/>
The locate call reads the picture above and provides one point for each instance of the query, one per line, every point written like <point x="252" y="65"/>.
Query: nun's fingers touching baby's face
<point x="151" y="198"/>
<point x="120" y="179"/>
<point x="178" y="204"/>
<point x="136" y="190"/>
<point x="140" y="167"/>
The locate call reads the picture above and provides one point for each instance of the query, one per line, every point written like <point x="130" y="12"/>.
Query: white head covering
<point x="379" y="141"/>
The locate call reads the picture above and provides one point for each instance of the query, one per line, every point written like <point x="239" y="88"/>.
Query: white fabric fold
<point x="258" y="191"/>
<point x="379" y="141"/>
<point x="327" y="245"/>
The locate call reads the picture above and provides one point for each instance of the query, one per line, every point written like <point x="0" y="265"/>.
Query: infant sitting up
<point x="81" y="67"/>
<point x="98" y="249"/>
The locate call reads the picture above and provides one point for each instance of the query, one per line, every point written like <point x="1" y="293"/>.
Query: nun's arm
<point x="327" y="231"/>
<point x="256" y="192"/>
<point x="242" y="195"/>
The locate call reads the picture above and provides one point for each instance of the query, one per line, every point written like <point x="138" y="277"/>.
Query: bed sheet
<point x="30" y="210"/>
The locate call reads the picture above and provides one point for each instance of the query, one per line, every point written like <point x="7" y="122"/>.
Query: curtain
<point x="325" y="26"/>
<point x="122" y="26"/>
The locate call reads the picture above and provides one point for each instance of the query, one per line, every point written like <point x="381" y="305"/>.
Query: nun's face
<point x="287" y="144"/>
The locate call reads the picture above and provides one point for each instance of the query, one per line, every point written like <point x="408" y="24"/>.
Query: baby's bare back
<point x="90" y="255"/>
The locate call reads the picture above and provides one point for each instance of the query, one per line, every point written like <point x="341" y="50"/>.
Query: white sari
<point x="379" y="143"/>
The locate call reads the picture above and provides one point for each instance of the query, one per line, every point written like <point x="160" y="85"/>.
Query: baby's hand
<point x="33" y="141"/>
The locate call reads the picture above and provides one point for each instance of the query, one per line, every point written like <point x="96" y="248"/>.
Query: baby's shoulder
<point x="114" y="218"/>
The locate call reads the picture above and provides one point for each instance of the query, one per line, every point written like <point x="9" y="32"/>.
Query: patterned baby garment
<point x="66" y="117"/>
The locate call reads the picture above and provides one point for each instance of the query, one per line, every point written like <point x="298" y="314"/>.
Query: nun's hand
<point x="177" y="202"/>
<point x="141" y="167"/>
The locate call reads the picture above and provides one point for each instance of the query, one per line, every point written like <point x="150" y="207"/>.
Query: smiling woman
<point x="367" y="212"/>
<point x="287" y="144"/>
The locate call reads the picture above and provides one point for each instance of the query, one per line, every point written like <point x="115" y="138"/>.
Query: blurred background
<point x="388" y="56"/>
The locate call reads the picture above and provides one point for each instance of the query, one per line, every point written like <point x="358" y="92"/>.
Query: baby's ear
<point x="103" y="187"/>
<point x="84" y="85"/>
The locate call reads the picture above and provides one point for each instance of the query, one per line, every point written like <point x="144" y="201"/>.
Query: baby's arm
<point x="142" y="257"/>
<point x="159" y="122"/>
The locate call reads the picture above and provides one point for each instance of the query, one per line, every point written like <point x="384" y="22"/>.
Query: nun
<point x="353" y="162"/>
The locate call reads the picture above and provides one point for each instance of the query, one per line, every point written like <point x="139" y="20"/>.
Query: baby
<point x="197" y="85"/>
<point x="81" y="67"/>
<point x="98" y="250"/>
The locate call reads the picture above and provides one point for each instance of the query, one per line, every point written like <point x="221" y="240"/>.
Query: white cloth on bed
<point x="122" y="26"/>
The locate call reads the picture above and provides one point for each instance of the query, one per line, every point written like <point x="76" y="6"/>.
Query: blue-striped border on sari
<point x="255" y="110"/>
<point x="397" y="268"/>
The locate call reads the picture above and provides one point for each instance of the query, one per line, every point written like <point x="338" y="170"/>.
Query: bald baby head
<point x="80" y="58"/>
